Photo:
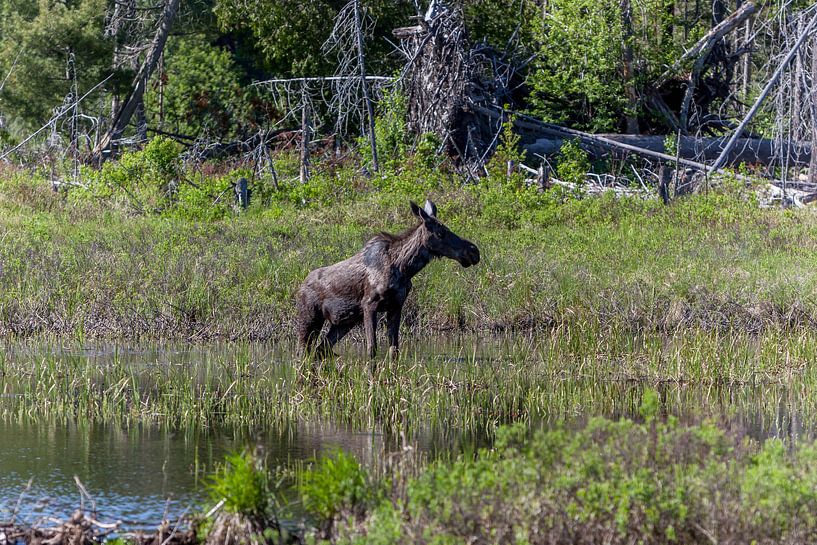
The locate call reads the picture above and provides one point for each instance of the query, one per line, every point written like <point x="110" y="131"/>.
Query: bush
<point x="335" y="484"/>
<point x="243" y="483"/>
<point x="573" y="163"/>
<point x="613" y="482"/>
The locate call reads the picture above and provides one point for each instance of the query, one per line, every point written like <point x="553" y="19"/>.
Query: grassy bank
<point x="92" y="264"/>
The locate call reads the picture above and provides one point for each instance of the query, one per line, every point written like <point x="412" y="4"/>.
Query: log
<point x="746" y="150"/>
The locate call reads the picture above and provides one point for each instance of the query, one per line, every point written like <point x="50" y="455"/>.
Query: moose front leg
<point x="370" y="326"/>
<point x="393" y="319"/>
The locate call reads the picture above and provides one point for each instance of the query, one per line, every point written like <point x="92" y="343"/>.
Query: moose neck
<point x="411" y="254"/>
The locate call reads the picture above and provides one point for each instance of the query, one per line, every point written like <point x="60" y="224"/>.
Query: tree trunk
<point x="797" y="81"/>
<point x="306" y="136"/>
<point x="747" y="150"/>
<point x="746" y="75"/>
<point x="361" y="59"/>
<point x="812" y="169"/>
<point x="631" y="113"/>
<point x="140" y="82"/>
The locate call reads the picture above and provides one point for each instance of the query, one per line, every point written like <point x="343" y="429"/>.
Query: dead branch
<point x="721" y="160"/>
<point x="707" y="41"/>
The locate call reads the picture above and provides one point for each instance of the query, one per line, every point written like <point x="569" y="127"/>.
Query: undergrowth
<point x="646" y="481"/>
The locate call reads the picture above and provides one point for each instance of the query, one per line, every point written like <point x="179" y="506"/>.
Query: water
<point x="141" y="474"/>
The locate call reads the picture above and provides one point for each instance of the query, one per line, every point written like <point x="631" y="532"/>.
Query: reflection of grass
<point x="569" y="371"/>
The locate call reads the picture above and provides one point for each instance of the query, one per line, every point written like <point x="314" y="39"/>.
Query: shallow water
<point x="141" y="474"/>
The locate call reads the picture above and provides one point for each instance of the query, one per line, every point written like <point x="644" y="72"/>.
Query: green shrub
<point x="243" y="483"/>
<point x="334" y="484"/>
<point x="573" y="163"/>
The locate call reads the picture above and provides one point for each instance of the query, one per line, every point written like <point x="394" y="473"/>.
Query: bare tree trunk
<point x="812" y="169"/>
<point x="361" y="60"/>
<point x="747" y="61"/>
<point x="306" y="136"/>
<point x="797" y="82"/>
<point x="631" y="113"/>
<point x="135" y="97"/>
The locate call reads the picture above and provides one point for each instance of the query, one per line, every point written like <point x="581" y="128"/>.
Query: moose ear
<point x="430" y="208"/>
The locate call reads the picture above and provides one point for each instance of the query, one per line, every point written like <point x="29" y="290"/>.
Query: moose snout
<point x="470" y="255"/>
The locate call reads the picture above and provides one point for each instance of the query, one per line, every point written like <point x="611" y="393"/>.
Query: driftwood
<point x="746" y="150"/>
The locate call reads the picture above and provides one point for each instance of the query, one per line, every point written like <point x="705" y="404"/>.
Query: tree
<point x="289" y="33"/>
<point x="45" y="45"/>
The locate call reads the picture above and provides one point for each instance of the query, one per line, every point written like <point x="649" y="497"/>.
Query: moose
<point x="376" y="279"/>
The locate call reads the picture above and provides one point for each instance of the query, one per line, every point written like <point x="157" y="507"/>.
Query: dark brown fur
<point x="376" y="279"/>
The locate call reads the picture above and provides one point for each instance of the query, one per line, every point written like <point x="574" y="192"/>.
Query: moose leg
<point x="370" y="325"/>
<point x="336" y="333"/>
<point x="393" y="320"/>
<point x="310" y="321"/>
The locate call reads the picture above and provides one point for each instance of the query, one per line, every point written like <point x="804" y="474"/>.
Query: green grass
<point x="83" y="268"/>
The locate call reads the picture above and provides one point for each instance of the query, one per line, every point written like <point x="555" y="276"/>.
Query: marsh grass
<point x="445" y="388"/>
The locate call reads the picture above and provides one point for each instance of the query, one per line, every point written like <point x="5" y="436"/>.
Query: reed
<point x="453" y="387"/>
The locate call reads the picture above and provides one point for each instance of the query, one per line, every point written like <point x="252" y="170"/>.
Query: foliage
<point x="38" y="40"/>
<point x="616" y="481"/>
<point x="573" y="163"/>
<point x="290" y="33"/>
<point x="336" y="483"/>
<point x="390" y="132"/>
<point x="575" y="75"/>
<point x="243" y="483"/>
<point x="199" y="91"/>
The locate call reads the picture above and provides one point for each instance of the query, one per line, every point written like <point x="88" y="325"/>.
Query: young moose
<point x="376" y="279"/>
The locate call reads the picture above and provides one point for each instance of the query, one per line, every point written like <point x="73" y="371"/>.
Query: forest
<point x="623" y="352"/>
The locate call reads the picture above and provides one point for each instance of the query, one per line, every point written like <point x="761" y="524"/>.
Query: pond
<point x="141" y="470"/>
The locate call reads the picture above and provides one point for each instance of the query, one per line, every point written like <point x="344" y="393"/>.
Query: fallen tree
<point x="746" y="150"/>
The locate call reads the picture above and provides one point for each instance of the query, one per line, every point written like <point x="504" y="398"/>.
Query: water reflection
<point x="141" y="474"/>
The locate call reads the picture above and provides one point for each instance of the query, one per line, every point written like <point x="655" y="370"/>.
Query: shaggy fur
<point x="376" y="279"/>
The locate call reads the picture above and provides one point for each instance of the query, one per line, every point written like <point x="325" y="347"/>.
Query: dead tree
<point x="347" y="41"/>
<point x="812" y="169"/>
<point x="445" y="78"/>
<point x="710" y="77"/>
<point x="121" y="117"/>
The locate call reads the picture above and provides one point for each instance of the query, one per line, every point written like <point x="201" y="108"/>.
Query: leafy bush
<point x="201" y="91"/>
<point x="614" y="482"/>
<point x="390" y="132"/>
<point x="573" y="163"/>
<point x="243" y="482"/>
<point x="335" y="484"/>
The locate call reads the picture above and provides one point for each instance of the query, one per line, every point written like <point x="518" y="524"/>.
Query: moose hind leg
<point x="310" y="322"/>
<point x="333" y="336"/>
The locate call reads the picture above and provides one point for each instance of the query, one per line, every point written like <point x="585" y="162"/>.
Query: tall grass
<point x="565" y="374"/>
